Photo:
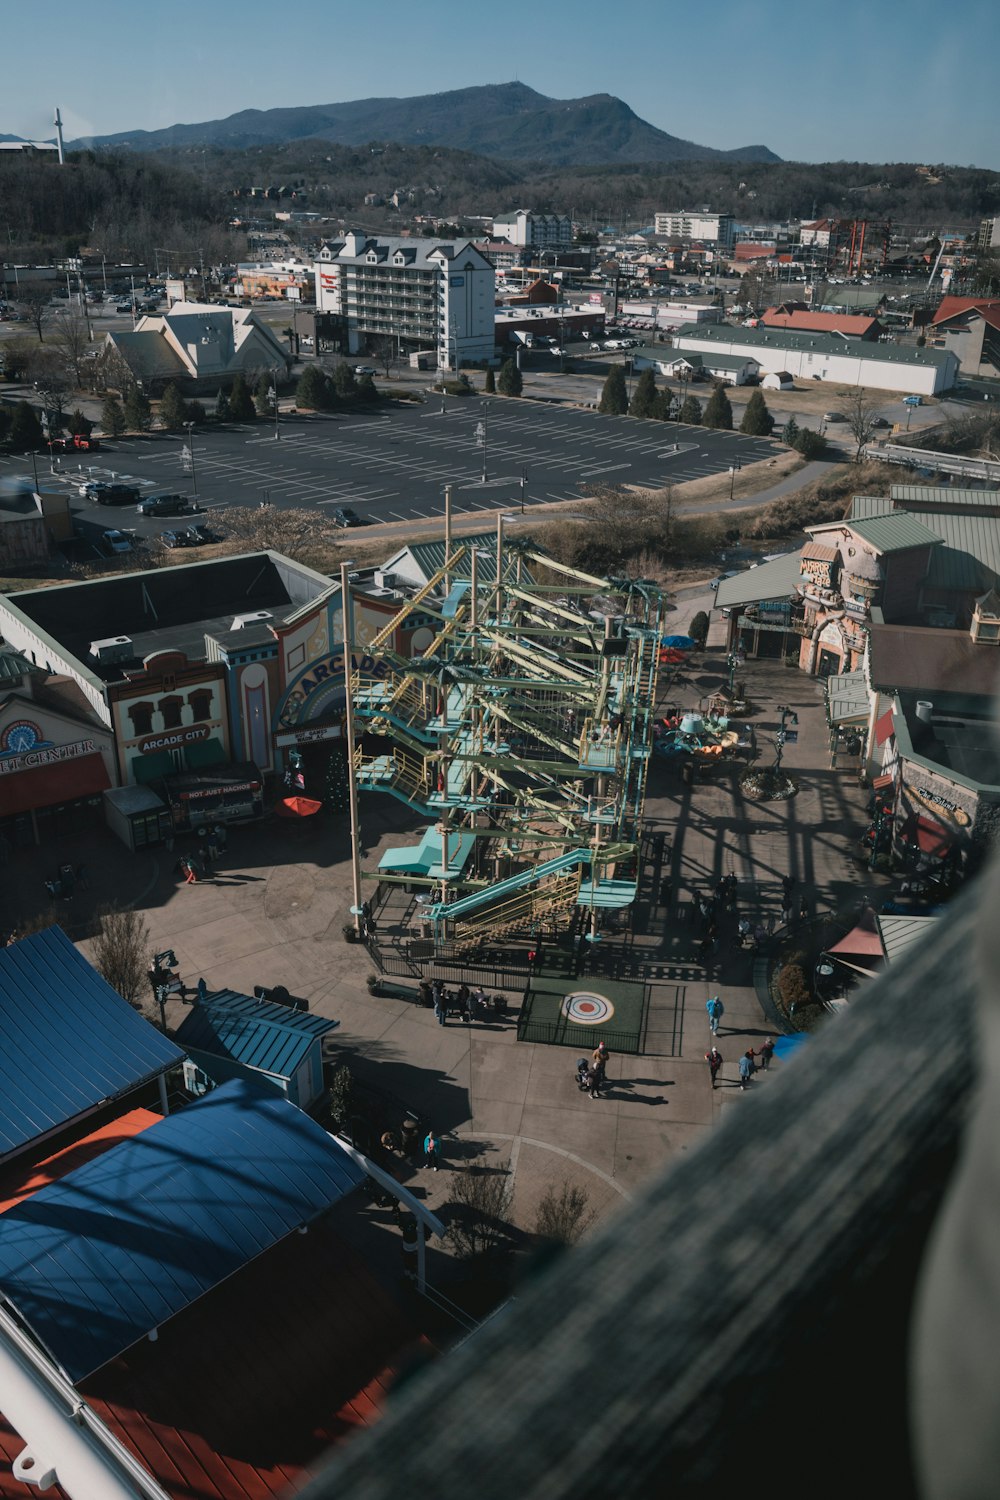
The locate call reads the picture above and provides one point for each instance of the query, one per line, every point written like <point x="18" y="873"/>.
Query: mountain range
<point x="507" y="120"/>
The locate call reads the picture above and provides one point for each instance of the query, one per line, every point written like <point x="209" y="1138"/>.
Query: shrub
<point x="489" y="384"/>
<point x="757" y="420"/>
<point x="698" y="629"/>
<point x="690" y="412"/>
<point x="510" y="382"/>
<point x="719" y="412"/>
<point x="241" y="407"/>
<point x="810" y="444"/>
<point x="792" y="986"/>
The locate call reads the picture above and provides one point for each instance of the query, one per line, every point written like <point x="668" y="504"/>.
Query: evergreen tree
<point x="196" y="413"/>
<point x="222" y="407"/>
<point x="510" y="382"/>
<point x="138" y="412"/>
<point x="311" y="393"/>
<point x="78" y="423"/>
<point x="262" y="396"/>
<point x="344" y="384"/>
<point x="489" y="384"/>
<point x="791" y="432"/>
<point x="645" y="398"/>
<point x="666" y="407"/>
<point x="718" y="412"/>
<point x="366" y="389"/>
<point x="25" y="428"/>
<point x="614" y="396"/>
<point x="698" y="629"/>
<point x="241" y="407"/>
<point x="112" y="416"/>
<point x="173" y="408"/>
<point x="757" y="420"/>
<point x="810" y="444"/>
<point x="690" y="412"/>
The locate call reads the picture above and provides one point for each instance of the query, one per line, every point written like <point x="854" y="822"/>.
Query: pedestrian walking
<point x="188" y="871"/>
<point x="432" y="1151"/>
<point x="220" y="836"/>
<point x="594" y="1081"/>
<point x="704" y="949"/>
<point x="772" y="923"/>
<point x="601" y="1054"/>
<point x="464" y="994"/>
<point x="803" y="909"/>
<point x="714" y="1059"/>
<point x="211" y="846"/>
<point x="747" y="1067"/>
<point x="732" y="888"/>
<point x="765" y="1053"/>
<point x="716" y="1010"/>
<point x="409" y="1135"/>
<point x="440" y="1003"/>
<point x="202" y="992"/>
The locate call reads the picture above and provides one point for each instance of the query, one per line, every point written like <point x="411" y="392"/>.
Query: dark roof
<point x="102" y="1258"/>
<point x="244" y="1392"/>
<point x="168" y="608"/>
<point x="13" y="666"/>
<point x="928" y="660"/>
<point x="960" y="737"/>
<point x="70" y="1042"/>
<point x="256" y="1033"/>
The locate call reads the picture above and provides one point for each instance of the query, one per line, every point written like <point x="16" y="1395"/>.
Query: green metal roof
<point x="430" y="556"/>
<point x="863" y="507"/>
<point x="822" y="343"/>
<point x="940" y="494"/>
<point x="896" y="532"/>
<point x="13" y="666"/>
<point x="773" y="580"/>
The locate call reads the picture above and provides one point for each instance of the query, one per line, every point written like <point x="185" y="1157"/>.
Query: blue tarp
<point x="678" y="642"/>
<point x="785" y="1046"/>
<point x="70" y="1042"/>
<point x="96" y="1261"/>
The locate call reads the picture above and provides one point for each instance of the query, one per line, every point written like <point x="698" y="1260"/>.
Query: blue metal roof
<point x="70" y="1042"/>
<point x="96" y="1261"/>
<point x="257" y="1033"/>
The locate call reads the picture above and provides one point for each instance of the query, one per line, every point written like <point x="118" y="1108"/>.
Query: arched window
<point x="170" y="708"/>
<point x="141" y="715"/>
<point x="201" y="705"/>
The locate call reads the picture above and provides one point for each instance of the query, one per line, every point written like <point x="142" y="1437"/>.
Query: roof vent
<point x="924" y="710"/>
<point x="240" y="622"/>
<point x="113" y="648"/>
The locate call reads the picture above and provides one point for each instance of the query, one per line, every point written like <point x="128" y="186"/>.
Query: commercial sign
<point x="309" y="736"/>
<point x="935" y="803"/>
<point x="174" y="738"/>
<point x="45" y="755"/>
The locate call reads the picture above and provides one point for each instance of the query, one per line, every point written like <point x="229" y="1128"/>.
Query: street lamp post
<point x="789" y="716"/>
<point x="524" y="484"/>
<point x="189" y="455"/>
<point x="483" y="437"/>
<point x="734" y="469"/>
<point x="274" y="398"/>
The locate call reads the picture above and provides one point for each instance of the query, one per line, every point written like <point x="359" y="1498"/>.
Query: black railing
<point x="554" y="1034"/>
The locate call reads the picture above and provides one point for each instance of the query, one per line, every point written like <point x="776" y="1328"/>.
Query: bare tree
<point x="382" y="346"/>
<point x="562" y="1216"/>
<point x="36" y="304"/>
<point x="481" y="1223"/>
<point x="862" y="416"/>
<point x="48" y="373"/>
<point x="121" y="952"/>
<point x="71" y="336"/>
<point x="304" y="535"/>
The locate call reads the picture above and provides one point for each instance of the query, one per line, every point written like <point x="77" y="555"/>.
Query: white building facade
<point x="714" y="229"/>
<point x="536" y="231"/>
<point x="884" y="367"/>
<point x="425" y="294"/>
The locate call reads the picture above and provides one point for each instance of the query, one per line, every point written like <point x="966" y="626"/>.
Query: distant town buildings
<point x="537" y="231"/>
<point x="715" y="229"/>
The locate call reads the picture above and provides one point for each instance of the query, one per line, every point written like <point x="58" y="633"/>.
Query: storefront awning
<point x="883" y="727"/>
<point x="208" y="753"/>
<point x="882" y="781"/>
<point x="146" y="768"/>
<point x="931" y="838"/>
<point x="48" y="786"/>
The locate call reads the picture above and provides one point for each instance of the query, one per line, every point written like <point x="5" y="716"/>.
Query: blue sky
<point x="816" y="80"/>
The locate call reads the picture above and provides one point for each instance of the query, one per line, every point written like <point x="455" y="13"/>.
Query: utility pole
<point x="482" y="436"/>
<point x="347" y="633"/>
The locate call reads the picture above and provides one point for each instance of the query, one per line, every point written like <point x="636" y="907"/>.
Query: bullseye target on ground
<point x="586" y="1008"/>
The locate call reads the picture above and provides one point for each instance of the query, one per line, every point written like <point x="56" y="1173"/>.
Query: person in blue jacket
<point x="716" y="1010"/>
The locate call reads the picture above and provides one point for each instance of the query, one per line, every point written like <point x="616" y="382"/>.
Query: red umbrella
<point x="297" y="807"/>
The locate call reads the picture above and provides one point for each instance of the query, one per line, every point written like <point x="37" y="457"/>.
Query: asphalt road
<point x="393" y="465"/>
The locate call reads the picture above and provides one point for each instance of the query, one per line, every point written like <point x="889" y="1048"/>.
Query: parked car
<point x="75" y="443"/>
<point x="345" y="516"/>
<point x="834" y="416"/>
<point x="167" y="505"/>
<point x="200" y="536"/>
<point x="102" y="492"/>
<point x="913" y="400"/>
<point x="175" y="539"/>
<point x="115" y="541"/>
<point x="365" y="370"/>
<point x="881" y="422"/>
<point x="722" y="577"/>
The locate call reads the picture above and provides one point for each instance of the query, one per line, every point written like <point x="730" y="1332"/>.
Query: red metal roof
<point x="950" y="307"/>
<point x="856" y="324"/>
<point x="24" y="1178"/>
<point x="931" y="838"/>
<point x="244" y="1391"/>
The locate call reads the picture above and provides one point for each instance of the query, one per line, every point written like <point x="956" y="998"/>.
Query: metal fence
<point x="554" y="1034"/>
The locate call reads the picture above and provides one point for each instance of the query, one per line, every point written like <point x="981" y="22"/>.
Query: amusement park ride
<point x="523" y="735"/>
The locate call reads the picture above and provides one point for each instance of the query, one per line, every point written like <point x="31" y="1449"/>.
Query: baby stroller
<point x="582" y="1069"/>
